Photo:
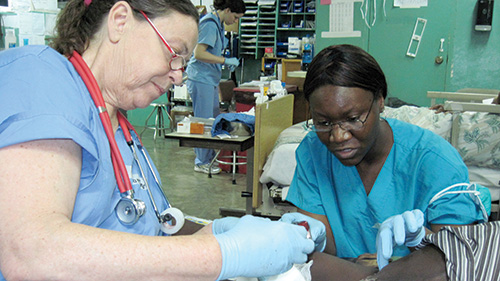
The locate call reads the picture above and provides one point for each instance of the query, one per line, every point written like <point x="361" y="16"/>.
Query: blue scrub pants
<point x="205" y="105"/>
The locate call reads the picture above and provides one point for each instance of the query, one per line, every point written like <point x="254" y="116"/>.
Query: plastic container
<point x="307" y="52"/>
<point x="10" y="39"/>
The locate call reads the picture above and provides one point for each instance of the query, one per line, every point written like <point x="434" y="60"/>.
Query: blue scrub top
<point x="47" y="99"/>
<point x="419" y="165"/>
<point x="211" y="33"/>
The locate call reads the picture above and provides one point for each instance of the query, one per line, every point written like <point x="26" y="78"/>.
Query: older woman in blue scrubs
<point x="370" y="180"/>
<point x="205" y="69"/>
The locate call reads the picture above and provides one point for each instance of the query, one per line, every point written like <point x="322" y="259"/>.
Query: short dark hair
<point x="236" y="6"/>
<point x="77" y="22"/>
<point x="345" y="66"/>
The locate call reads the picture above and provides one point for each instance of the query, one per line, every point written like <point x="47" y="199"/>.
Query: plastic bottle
<point x="307" y="53"/>
<point x="10" y="39"/>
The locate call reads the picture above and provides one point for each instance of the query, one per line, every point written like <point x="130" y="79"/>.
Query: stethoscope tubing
<point x="123" y="181"/>
<point x="126" y="127"/>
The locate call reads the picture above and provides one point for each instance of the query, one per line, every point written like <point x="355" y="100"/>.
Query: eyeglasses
<point x="176" y="62"/>
<point x="351" y="124"/>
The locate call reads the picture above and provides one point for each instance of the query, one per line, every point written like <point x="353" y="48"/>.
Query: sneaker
<point x="204" y="169"/>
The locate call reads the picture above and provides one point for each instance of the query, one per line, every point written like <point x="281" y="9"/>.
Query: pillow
<point x="479" y="139"/>
<point x="439" y="123"/>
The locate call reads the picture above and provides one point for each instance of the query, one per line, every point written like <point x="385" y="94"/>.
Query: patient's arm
<point x="497" y="99"/>
<point x="331" y="247"/>
<point x="331" y="268"/>
<point x="192" y="227"/>
<point x="426" y="264"/>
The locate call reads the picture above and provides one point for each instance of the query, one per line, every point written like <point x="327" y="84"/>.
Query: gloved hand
<point x="407" y="228"/>
<point x="232" y="63"/>
<point x="224" y="224"/>
<point x="257" y="247"/>
<point x="316" y="228"/>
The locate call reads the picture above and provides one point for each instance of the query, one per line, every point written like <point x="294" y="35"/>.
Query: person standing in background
<point x="205" y="69"/>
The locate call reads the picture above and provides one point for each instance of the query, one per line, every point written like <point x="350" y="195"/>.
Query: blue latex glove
<point x="224" y="224"/>
<point x="257" y="247"/>
<point x="407" y="228"/>
<point x="232" y="63"/>
<point x="316" y="228"/>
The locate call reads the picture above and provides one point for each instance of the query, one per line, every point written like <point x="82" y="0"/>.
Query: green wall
<point x="137" y="117"/>
<point x="476" y="55"/>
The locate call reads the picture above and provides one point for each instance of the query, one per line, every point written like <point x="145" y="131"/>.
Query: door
<point x="409" y="77"/>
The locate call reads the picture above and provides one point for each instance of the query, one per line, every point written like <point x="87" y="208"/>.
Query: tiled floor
<point x="194" y="193"/>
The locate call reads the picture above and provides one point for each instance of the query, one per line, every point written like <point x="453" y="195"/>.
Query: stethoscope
<point x="128" y="209"/>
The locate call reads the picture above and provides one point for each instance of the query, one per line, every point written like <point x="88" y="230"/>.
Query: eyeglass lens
<point x="344" y="125"/>
<point x="176" y="62"/>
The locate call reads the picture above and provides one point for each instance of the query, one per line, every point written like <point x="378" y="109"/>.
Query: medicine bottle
<point x="10" y="39"/>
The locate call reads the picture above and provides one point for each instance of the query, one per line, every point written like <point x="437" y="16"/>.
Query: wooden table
<point x="244" y="143"/>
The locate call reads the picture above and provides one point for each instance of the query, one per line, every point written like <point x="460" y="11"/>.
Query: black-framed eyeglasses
<point x="348" y="125"/>
<point x="177" y="62"/>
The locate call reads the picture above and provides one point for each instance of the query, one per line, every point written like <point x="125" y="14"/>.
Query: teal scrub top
<point x="419" y="165"/>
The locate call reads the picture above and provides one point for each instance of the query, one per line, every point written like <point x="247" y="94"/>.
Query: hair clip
<point x="87" y="2"/>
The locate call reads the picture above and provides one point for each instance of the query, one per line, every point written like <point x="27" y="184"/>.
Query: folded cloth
<point x="222" y="123"/>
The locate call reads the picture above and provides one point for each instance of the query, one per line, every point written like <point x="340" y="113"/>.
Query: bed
<point x="470" y="126"/>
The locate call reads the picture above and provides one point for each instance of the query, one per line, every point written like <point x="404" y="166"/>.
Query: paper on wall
<point x="410" y="3"/>
<point x="341" y="20"/>
<point x="21" y="6"/>
<point x="10" y="20"/>
<point x="50" y="24"/>
<point x="32" y="23"/>
<point x="48" y="5"/>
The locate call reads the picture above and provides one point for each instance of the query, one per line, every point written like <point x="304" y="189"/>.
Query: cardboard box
<point x="294" y="45"/>
<point x="188" y="127"/>
<point x="197" y="128"/>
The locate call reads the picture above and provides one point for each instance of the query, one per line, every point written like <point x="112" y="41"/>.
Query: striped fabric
<point x="472" y="252"/>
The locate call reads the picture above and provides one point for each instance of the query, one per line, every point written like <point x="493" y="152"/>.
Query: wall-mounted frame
<point x="5" y="5"/>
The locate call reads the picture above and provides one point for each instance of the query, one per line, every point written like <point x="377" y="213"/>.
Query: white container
<point x="184" y="127"/>
<point x="10" y="39"/>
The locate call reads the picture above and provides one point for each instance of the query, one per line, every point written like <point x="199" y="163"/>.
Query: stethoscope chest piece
<point x="173" y="220"/>
<point x="129" y="210"/>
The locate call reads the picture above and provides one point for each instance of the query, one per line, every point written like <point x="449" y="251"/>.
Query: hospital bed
<point x="471" y="127"/>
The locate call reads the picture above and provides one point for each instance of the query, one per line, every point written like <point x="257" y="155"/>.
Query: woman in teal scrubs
<point x="356" y="170"/>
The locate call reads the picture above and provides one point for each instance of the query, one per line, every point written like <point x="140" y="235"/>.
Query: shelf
<point x="262" y="27"/>
<point x="298" y="14"/>
<point x="294" y="29"/>
<point x="258" y="31"/>
<point x="295" y="19"/>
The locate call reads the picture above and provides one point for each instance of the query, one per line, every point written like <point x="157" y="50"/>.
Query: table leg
<point x="249" y="209"/>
